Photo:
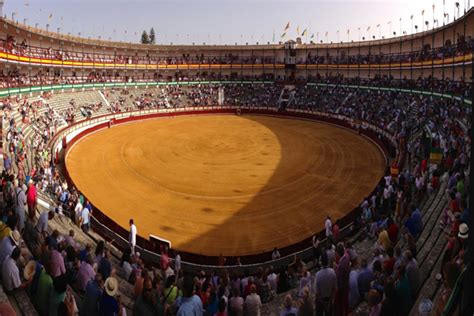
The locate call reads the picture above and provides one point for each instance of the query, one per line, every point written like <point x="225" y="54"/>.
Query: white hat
<point x="425" y="307"/>
<point x="29" y="270"/>
<point x="15" y="236"/>
<point x="463" y="231"/>
<point x="111" y="286"/>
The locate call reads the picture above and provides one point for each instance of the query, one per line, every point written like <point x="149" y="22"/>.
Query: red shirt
<point x="31" y="195"/>
<point x="335" y="231"/>
<point x="388" y="265"/>
<point x="454" y="205"/>
<point x="393" y="232"/>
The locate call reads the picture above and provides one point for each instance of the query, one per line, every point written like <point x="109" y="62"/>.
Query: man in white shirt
<point x="132" y="238"/>
<point x="177" y="263"/>
<point x="78" y="210"/>
<point x="42" y="225"/>
<point x="10" y="272"/>
<point x="253" y="304"/>
<point x="328" y="225"/>
<point x="275" y="254"/>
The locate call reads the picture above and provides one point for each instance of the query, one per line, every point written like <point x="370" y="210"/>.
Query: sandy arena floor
<point x="235" y="185"/>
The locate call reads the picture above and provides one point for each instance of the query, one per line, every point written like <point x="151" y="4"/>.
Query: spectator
<point x="252" y="302"/>
<point x="93" y="293"/>
<point x="236" y="303"/>
<point x="31" y="199"/>
<point x="413" y="273"/>
<point x="389" y="304"/>
<point x="148" y="302"/>
<point x="343" y="271"/>
<point x="42" y="225"/>
<point x="40" y="297"/>
<point x="132" y="237"/>
<point x="86" y="273"/>
<point x="58" y="294"/>
<point x="109" y="305"/>
<point x="325" y="288"/>
<point x="275" y="254"/>
<point x="328" y="226"/>
<point x="288" y="309"/>
<point x="85" y="219"/>
<point x="21" y="206"/>
<point x="10" y="272"/>
<point x="105" y="266"/>
<point x="57" y="263"/>
<point x="404" y="294"/>
<point x="190" y="304"/>
<point x="354" y="296"/>
<point x="8" y="244"/>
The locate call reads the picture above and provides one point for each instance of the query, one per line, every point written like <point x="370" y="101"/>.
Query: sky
<point x="230" y="21"/>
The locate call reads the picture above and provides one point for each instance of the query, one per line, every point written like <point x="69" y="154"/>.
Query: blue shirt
<point x="190" y="306"/>
<point x="363" y="280"/>
<point x="108" y="305"/>
<point x="418" y="221"/>
<point x="91" y="299"/>
<point x="85" y="216"/>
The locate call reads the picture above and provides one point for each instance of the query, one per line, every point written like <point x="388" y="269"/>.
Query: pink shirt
<point x="57" y="264"/>
<point x="86" y="272"/>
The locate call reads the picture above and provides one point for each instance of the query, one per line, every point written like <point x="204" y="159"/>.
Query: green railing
<point x="32" y="89"/>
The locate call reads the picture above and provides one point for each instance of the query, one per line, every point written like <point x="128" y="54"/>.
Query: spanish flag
<point x="287" y="27"/>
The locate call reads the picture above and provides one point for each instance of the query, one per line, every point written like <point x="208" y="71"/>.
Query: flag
<point x="298" y="30"/>
<point x="368" y="29"/>
<point x="283" y="35"/>
<point x="378" y="25"/>
<point x="304" y="32"/>
<point x="327" y="33"/>
<point x="287" y="27"/>
<point x="422" y="12"/>
<point x="348" y="31"/>
<point x="411" y="18"/>
<point x="312" y="36"/>
<point x="50" y="17"/>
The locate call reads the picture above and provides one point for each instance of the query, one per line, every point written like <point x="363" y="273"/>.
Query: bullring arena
<point x="245" y="184"/>
<point x="297" y="172"/>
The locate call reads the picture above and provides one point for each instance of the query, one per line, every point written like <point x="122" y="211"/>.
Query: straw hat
<point x="15" y="236"/>
<point x="111" y="286"/>
<point x="463" y="231"/>
<point x="29" y="271"/>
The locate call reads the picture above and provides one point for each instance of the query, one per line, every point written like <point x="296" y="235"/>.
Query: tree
<point x="145" y="38"/>
<point x="152" y="36"/>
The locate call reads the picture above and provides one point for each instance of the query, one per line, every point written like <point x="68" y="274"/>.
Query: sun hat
<point x="15" y="236"/>
<point x="111" y="286"/>
<point x="29" y="271"/>
<point x="463" y="231"/>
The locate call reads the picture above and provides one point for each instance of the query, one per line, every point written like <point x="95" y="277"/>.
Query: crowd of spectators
<point x="63" y="276"/>
<point x="316" y="56"/>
